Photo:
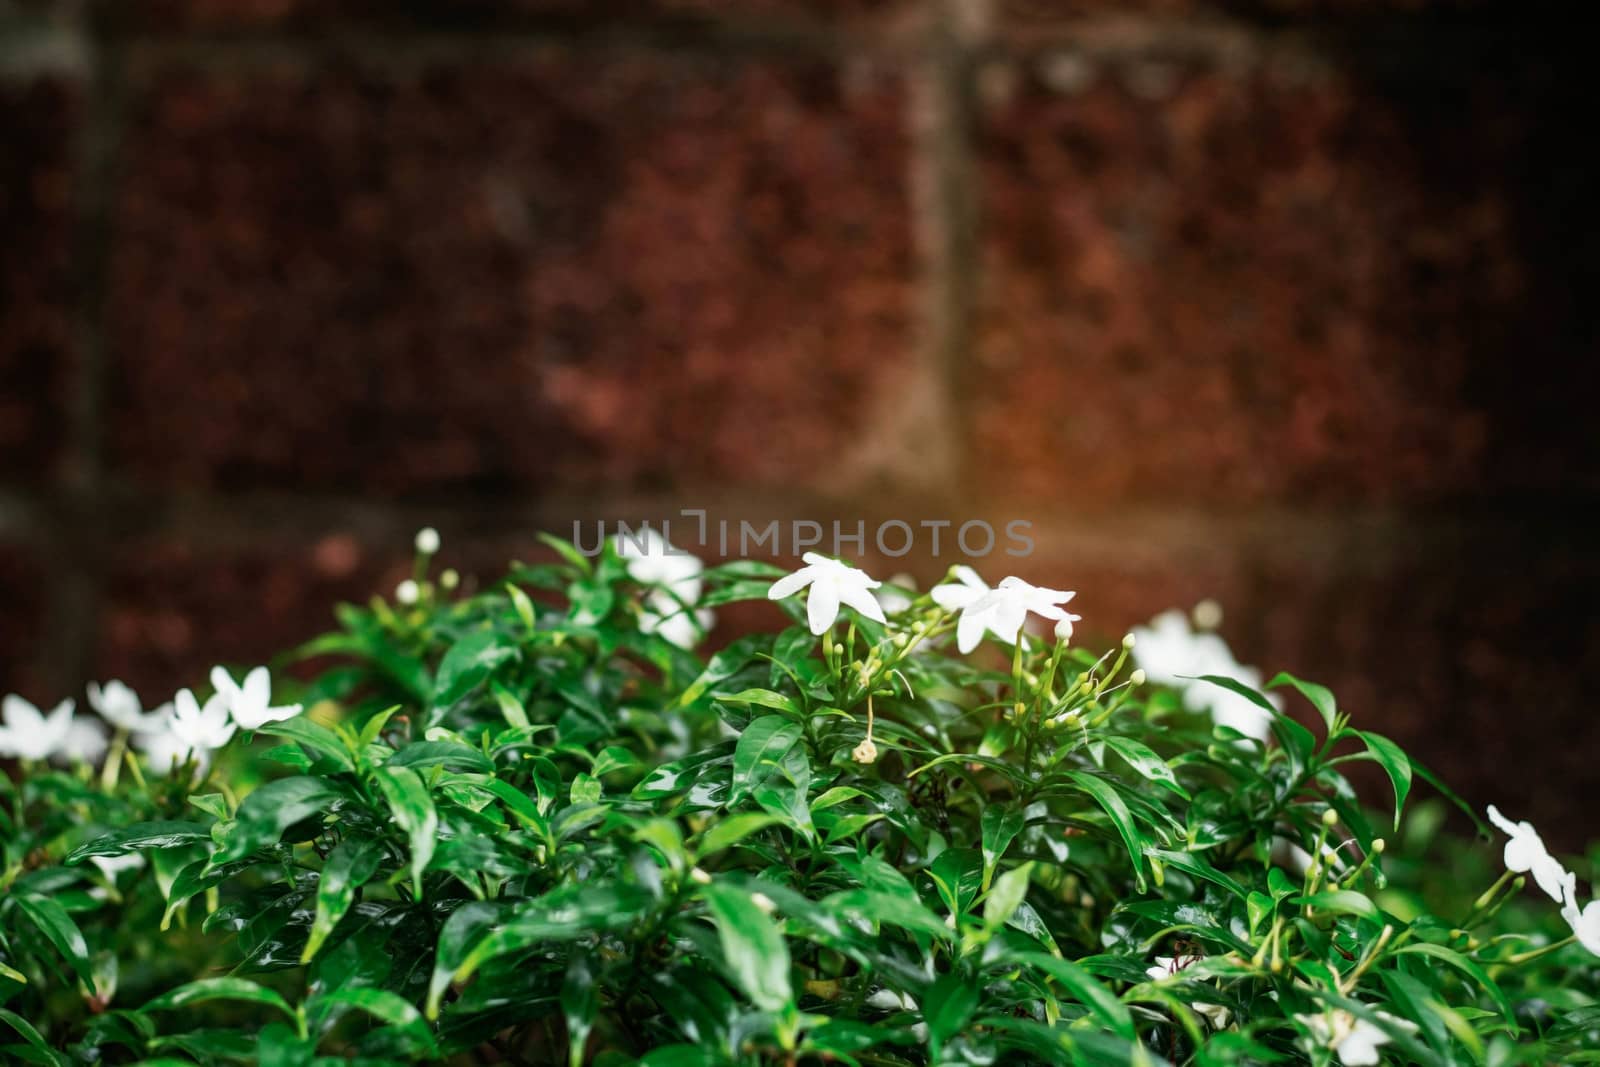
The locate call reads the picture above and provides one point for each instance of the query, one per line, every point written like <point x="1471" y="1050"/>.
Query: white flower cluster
<point x="1525" y="854"/>
<point x="1000" y="611"/>
<point x="673" y="576"/>
<point x="1172" y="654"/>
<point x="169" y="735"/>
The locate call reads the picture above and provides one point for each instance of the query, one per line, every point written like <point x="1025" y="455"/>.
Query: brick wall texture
<point x="1286" y="303"/>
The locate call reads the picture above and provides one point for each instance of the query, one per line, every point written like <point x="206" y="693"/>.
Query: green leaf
<point x="465" y="927"/>
<point x="314" y="736"/>
<point x="1010" y="889"/>
<point x="1466" y="966"/>
<point x="206" y="989"/>
<point x="387" y="1007"/>
<point x="346" y="869"/>
<point x="1111" y="1012"/>
<point x="33" y="1037"/>
<point x="754" y="950"/>
<point x="266" y="813"/>
<point x="998" y="827"/>
<point x="1117" y="808"/>
<point x="1395" y="763"/>
<point x="1146" y="763"/>
<point x="468" y="663"/>
<point x="729" y="831"/>
<point x="947" y="1006"/>
<point x="765" y="698"/>
<point x="414" y="811"/>
<point x="450" y="755"/>
<point x="59" y="929"/>
<point x="1320" y="696"/>
<point x="1342" y="902"/>
<point x="579" y="1000"/>
<point x="140" y="836"/>
<point x="761" y="748"/>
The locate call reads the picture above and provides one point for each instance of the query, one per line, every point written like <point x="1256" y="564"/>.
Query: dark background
<point x="1287" y="303"/>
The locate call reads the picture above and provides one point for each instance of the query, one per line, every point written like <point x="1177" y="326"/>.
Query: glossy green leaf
<point x="208" y="989"/>
<point x="52" y="920"/>
<point x="414" y="813"/>
<point x="347" y="868"/>
<point x="752" y="948"/>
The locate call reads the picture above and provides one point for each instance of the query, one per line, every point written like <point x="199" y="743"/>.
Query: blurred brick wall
<point x="1283" y="302"/>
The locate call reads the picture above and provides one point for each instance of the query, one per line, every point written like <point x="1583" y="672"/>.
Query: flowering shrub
<point x="532" y="826"/>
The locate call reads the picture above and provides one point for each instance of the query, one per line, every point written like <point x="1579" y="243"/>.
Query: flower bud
<point x="1128" y="641"/>
<point x="700" y="876"/>
<point x="866" y="752"/>
<point x="1088" y="685"/>
<point x="1207" y="615"/>
<point x="1064" y="630"/>
<point x="427" y="540"/>
<point x="1019" y="709"/>
<point x="763" y="902"/>
<point x="1378" y="845"/>
<point x="1137" y="678"/>
<point x="449" y="579"/>
<point x="1330" y="818"/>
<point x="919" y="627"/>
<point x="407" y="592"/>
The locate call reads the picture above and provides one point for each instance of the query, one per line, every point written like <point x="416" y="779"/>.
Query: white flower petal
<point x="822" y="605"/>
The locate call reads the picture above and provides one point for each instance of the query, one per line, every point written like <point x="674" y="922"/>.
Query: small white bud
<point x="1137" y="677"/>
<point x="1129" y="640"/>
<point x="1207" y="615"/>
<point x="865" y="752"/>
<point x="700" y="876"/>
<point x="449" y="579"/>
<point x="427" y="540"/>
<point x="1378" y="845"/>
<point x="1064" y="630"/>
<point x="407" y="592"/>
<point x="1330" y="818"/>
<point x="764" y="902"/>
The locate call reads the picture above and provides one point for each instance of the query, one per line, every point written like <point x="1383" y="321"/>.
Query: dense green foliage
<point x="512" y="827"/>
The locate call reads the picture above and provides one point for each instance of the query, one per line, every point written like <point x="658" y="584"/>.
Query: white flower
<point x="1166" y="967"/>
<point x="427" y="541"/>
<point x="201" y="728"/>
<point x="85" y="741"/>
<point x="111" y="866"/>
<point x="953" y="596"/>
<point x="653" y="560"/>
<point x="250" y="704"/>
<point x="893" y="597"/>
<point x="865" y="752"/>
<point x="1003" y="610"/>
<point x="407" y="592"/>
<point x="1586" y="923"/>
<point x="664" y="616"/>
<point x="1172" y="654"/>
<point x="1355" y="1040"/>
<point x="119" y="705"/>
<point x="832" y="583"/>
<point x="166" y="749"/>
<point x="1525" y="852"/>
<point x="30" y="734"/>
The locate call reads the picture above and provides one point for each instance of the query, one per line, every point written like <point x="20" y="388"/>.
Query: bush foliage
<point x="518" y="827"/>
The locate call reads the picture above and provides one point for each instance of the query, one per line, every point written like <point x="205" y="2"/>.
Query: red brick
<point x="313" y="14"/>
<point x="22" y="623"/>
<point x="1034" y="14"/>
<point x="1478" y="650"/>
<point x="38" y="120"/>
<point x="638" y="270"/>
<point x="1282" y="283"/>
